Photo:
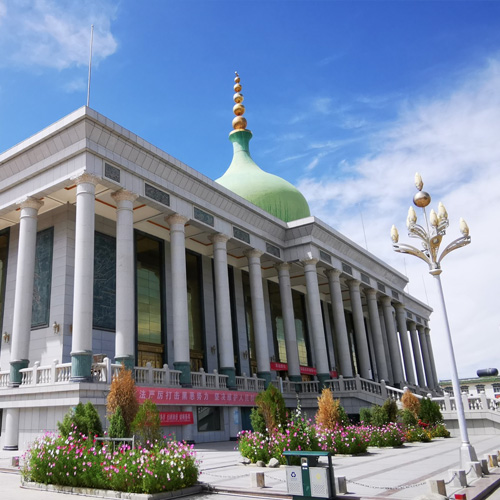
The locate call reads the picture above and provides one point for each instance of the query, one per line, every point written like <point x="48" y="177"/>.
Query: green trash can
<point x="309" y="480"/>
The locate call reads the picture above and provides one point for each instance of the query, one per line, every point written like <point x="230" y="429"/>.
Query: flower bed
<point x="79" y="462"/>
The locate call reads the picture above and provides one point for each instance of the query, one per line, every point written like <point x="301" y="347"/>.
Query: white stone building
<point x="112" y="251"/>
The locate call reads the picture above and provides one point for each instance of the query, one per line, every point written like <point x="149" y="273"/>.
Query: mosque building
<point x="112" y="252"/>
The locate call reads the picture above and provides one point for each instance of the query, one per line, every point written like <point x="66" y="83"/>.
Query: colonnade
<point x="388" y="323"/>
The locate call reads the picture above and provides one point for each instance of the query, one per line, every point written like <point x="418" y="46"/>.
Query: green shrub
<point x="408" y="418"/>
<point x="271" y="407"/>
<point x="117" y="427"/>
<point x="439" y="430"/>
<point x="417" y="433"/>
<point x="430" y="412"/>
<point x="147" y="424"/>
<point x="365" y="415"/>
<point x="391" y="410"/>
<point x="379" y="416"/>
<point x="83" y="419"/>
<point x="257" y="421"/>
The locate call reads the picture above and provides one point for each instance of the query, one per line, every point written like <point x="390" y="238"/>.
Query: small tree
<point x="391" y="409"/>
<point x="82" y="419"/>
<point x="430" y="413"/>
<point x="117" y="427"/>
<point x="410" y="402"/>
<point x="365" y="415"/>
<point x="122" y="394"/>
<point x="147" y="424"/>
<point x="328" y="414"/>
<point x="271" y="407"/>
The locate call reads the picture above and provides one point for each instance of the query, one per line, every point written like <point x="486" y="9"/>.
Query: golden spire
<point x="239" y="122"/>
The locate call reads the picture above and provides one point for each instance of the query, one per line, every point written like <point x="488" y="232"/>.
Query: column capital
<point x="411" y="324"/>
<point x="386" y="300"/>
<point x="371" y="292"/>
<point x="30" y="202"/>
<point x="399" y="306"/>
<point x="420" y="328"/>
<point x="86" y="178"/>
<point x="218" y="238"/>
<point x="176" y="219"/>
<point x="253" y="253"/>
<point x="123" y="195"/>
<point x="282" y="266"/>
<point x="333" y="273"/>
<point x="309" y="262"/>
<point x="353" y="283"/>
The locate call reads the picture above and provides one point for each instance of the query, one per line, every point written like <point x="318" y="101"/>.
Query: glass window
<point x="4" y="252"/>
<point x="249" y="322"/>
<point x="149" y="262"/>
<point x="40" y="310"/>
<point x="195" y="311"/>
<point x="209" y="418"/>
<point x="300" y="324"/>
<point x="104" y="311"/>
<point x="496" y="388"/>
<point x="479" y="388"/>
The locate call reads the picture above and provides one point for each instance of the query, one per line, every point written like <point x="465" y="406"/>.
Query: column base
<point x="323" y="377"/>
<point x="231" y="373"/>
<point x="467" y="454"/>
<point x="15" y="377"/>
<point x="128" y="362"/>
<point x="11" y="448"/>
<point x="81" y="366"/>
<point x="185" y="368"/>
<point x="266" y="376"/>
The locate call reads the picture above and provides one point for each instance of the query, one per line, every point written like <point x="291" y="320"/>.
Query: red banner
<point x="197" y="397"/>
<point x="282" y="367"/>
<point x="176" y="417"/>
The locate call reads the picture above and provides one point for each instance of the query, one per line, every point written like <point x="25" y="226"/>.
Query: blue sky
<point x="346" y="99"/>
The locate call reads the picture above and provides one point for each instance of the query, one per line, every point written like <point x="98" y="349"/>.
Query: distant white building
<point x="475" y="386"/>
<point x="111" y="248"/>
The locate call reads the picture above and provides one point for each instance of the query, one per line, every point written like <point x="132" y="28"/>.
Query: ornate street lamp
<point x="431" y="237"/>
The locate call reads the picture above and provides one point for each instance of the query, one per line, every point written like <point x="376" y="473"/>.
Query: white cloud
<point x="55" y="34"/>
<point x="453" y="142"/>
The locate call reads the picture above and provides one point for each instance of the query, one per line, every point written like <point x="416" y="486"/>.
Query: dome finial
<point x="239" y="122"/>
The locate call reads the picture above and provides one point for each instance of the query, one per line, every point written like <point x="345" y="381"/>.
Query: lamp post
<point x="430" y="237"/>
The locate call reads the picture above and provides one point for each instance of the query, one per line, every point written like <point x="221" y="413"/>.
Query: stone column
<point x="23" y="298"/>
<point x="83" y="289"/>
<point x="371" y="298"/>
<point x="425" y="356"/>
<point x="11" y="438"/>
<point x="359" y="329"/>
<point x="259" y="315"/>
<point x="431" y="356"/>
<point x="390" y="380"/>
<point x="405" y="343"/>
<point x="180" y="318"/>
<point x="223" y="310"/>
<point x="392" y="339"/>
<point x="415" y="344"/>
<point x="339" y="324"/>
<point x="292" y="352"/>
<point x="316" y="319"/>
<point x="125" y="279"/>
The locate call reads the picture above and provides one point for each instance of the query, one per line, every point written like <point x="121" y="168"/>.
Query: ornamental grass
<point x="79" y="462"/>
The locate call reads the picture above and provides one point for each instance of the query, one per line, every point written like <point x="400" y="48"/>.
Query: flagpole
<point x="90" y="63"/>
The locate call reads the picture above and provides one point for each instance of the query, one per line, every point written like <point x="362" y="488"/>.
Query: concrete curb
<point x="92" y="492"/>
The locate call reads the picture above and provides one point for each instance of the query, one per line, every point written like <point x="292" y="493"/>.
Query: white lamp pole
<point x="431" y="238"/>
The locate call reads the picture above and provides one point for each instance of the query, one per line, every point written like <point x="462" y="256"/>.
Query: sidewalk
<point x="394" y="473"/>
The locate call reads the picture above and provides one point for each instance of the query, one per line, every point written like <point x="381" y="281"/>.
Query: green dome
<point x="269" y="192"/>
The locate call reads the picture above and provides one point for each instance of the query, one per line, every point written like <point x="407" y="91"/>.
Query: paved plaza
<point x="394" y="473"/>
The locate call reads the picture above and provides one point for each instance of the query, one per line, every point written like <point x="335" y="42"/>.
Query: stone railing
<point x="208" y="380"/>
<point x="144" y="376"/>
<point x="43" y="375"/>
<point x="252" y="384"/>
<point x="447" y="403"/>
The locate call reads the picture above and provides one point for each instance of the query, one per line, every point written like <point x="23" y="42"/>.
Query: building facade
<point x="113" y="252"/>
